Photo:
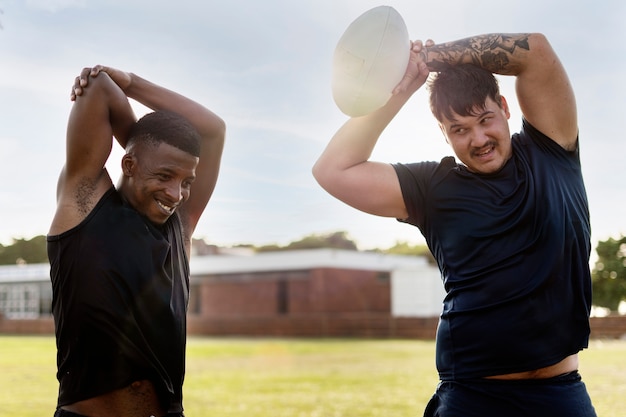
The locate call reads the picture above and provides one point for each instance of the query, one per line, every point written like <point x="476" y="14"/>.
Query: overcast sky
<point x="265" y="67"/>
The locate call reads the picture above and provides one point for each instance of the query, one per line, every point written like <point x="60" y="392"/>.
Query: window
<point x="282" y="297"/>
<point x="20" y="301"/>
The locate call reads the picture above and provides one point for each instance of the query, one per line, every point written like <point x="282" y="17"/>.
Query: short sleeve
<point x="414" y="180"/>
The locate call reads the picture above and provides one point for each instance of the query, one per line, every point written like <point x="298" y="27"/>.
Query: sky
<point x="265" y="68"/>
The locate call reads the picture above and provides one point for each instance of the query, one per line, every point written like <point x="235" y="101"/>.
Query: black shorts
<point x="561" y="396"/>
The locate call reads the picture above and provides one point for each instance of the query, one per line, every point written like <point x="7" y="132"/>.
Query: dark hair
<point x="462" y="89"/>
<point x="166" y="127"/>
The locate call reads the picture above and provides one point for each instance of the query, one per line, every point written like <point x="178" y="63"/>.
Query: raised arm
<point x="96" y="116"/>
<point x="544" y="93"/>
<point x="344" y="169"/>
<point x="210" y="127"/>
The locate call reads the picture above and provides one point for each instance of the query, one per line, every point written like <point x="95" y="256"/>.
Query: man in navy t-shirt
<point x="508" y="224"/>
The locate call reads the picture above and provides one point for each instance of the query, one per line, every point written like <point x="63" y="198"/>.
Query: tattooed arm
<point x="543" y="90"/>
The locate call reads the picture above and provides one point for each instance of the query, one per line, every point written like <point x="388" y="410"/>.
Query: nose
<point x="479" y="138"/>
<point x="175" y="191"/>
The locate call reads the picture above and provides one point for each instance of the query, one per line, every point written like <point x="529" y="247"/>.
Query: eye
<point x="164" y="177"/>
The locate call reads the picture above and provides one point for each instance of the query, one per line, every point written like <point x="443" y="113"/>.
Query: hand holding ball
<point x="370" y="60"/>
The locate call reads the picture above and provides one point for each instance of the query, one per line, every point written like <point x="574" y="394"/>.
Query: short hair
<point x="167" y="127"/>
<point x="462" y="89"/>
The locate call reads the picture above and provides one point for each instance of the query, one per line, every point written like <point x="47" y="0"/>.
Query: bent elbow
<point x="323" y="175"/>
<point x="218" y="128"/>
<point x="318" y="172"/>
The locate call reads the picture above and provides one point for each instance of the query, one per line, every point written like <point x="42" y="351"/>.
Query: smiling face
<point x="481" y="140"/>
<point x="157" y="179"/>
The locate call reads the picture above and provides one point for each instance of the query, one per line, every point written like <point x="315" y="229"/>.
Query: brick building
<point x="321" y="292"/>
<point x="309" y="293"/>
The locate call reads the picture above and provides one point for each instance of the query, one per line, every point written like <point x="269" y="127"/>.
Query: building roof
<point x="304" y="259"/>
<point x="262" y="262"/>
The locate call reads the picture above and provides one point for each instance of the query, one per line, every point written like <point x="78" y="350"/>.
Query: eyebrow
<point x="172" y="171"/>
<point x="478" y="116"/>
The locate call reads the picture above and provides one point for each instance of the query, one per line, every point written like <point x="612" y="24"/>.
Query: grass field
<point x="295" y="378"/>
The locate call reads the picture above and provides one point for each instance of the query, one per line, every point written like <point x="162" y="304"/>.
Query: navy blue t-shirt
<point x="513" y="249"/>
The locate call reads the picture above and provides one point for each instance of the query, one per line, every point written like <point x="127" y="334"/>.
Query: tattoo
<point x="492" y="52"/>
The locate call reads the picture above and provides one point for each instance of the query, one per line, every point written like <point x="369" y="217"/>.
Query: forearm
<point x="156" y="97"/>
<point x="344" y="169"/>
<point x="544" y="93"/>
<point x="98" y="114"/>
<point x="211" y="128"/>
<point x="121" y="116"/>
<point x="499" y="53"/>
<point x="354" y="142"/>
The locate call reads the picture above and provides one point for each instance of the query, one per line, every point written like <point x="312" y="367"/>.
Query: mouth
<point x="169" y="210"/>
<point x="484" y="152"/>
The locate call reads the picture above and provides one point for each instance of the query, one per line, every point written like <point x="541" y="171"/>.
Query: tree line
<point x="25" y="251"/>
<point x="608" y="275"/>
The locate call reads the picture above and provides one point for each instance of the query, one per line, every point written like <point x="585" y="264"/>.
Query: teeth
<point x="166" y="208"/>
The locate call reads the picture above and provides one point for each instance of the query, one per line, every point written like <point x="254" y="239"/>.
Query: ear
<point x="128" y="165"/>
<point x="505" y="107"/>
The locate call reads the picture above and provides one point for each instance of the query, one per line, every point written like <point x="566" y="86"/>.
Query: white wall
<point x="416" y="292"/>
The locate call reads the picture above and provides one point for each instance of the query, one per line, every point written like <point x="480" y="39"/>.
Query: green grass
<point x="27" y="376"/>
<point x="297" y="377"/>
<point x="603" y="367"/>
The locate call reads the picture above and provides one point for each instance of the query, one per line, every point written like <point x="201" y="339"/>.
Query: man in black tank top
<point x="119" y="254"/>
<point x="508" y="223"/>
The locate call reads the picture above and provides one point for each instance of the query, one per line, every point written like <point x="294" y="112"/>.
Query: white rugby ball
<point x="369" y="61"/>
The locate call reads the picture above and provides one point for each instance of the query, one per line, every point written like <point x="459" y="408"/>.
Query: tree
<point x="335" y="240"/>
<point x="27" y="251"/>
<point x="404" y="248"/>
<point x="609" y="275"/>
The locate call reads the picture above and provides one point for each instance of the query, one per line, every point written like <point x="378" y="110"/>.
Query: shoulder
<point x="425" y="172"/>
<point x="531" y="139"/>
<point x="424" y="169"/>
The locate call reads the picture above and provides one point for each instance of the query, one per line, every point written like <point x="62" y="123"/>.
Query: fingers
<point x="415" y="76"/>
<point x="82" y="80"/>
<point x="97" y="70"/>
<point x="417" y="70"/>
<point x="121" y="78"/>
<point x="418" y="45"/>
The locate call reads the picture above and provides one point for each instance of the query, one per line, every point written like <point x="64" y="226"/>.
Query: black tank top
<point x="120" y="292"/>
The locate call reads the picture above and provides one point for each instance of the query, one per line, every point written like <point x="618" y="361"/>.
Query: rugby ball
<point x="369" y="61"/>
